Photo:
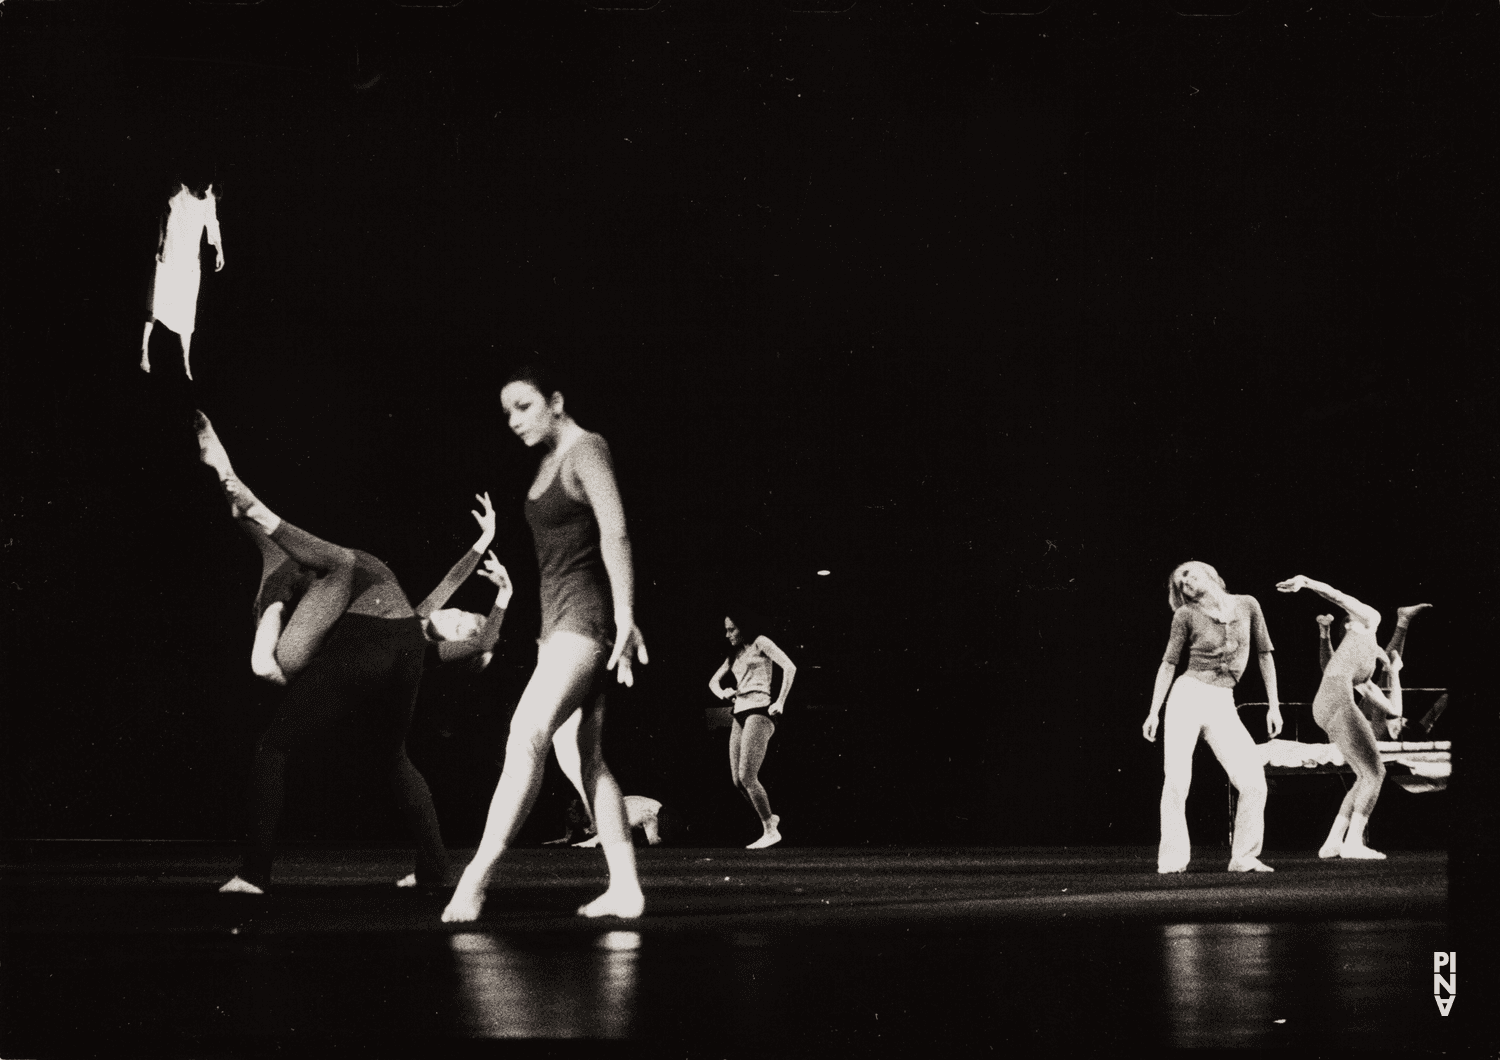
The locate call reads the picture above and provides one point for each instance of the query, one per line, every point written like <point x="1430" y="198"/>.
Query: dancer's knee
<point x="527" y="745"/>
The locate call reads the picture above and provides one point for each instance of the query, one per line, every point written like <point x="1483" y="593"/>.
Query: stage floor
<point x="793" y="949"/>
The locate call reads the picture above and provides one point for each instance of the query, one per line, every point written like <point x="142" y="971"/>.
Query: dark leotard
<point x="575" y="587"/>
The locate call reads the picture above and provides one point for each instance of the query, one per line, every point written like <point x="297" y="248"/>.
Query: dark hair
<point x="750" y="625"/>
<point x="541" y="376"/>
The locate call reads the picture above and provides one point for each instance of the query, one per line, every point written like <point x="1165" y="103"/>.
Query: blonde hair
<point x="1174" y="591"/>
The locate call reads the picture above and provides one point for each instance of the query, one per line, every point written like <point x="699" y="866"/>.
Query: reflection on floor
<point x="785" y="948"/>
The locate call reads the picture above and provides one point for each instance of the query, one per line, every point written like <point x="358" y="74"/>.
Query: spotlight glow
<point x="824" y="573"/>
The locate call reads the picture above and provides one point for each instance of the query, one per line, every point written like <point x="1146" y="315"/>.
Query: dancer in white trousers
<point x="174" y="291"/>
<point x="1218" y="630"/>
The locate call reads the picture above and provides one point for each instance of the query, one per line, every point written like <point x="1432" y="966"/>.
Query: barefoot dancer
<point x="174" y="291"/>
<point x="1352" y="666"/>
<point x="584" y="554"/>
<point x="352" y="646"/>
<point x="1218" y="630"/>
<point x="750" y="658"/>
<point x="1375" y="710"/>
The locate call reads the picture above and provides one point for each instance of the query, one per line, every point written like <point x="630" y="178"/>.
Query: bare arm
<point x="713" y="682"/>
<point x="1360" y="612"/>
<point x="215" y="237"/>
<point x="489" y="634"/>
<point x="1325" y="641"/>
<point x="1268" y="676"/>
<point x="461" y="570"/>
<point x="789" y="669"/>
<point x="595" y="476"/>
<point x="1164" y="676"/>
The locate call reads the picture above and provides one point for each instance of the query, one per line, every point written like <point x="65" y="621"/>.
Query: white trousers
<point x="1193" y="709"/>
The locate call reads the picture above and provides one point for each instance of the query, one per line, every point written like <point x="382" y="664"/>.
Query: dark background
<point x="996" y="318"/>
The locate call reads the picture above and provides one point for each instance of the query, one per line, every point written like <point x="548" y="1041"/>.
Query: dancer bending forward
<point x="578" y="523"/>
<point x="1334" y="709"/>
<point x="1218" y="631"/>
<point x="750" y="658"/>
<point x="1377" y="709"/>
<point x="353" y="647"/>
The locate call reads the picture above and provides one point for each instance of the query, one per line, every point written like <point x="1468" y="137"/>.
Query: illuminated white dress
<point x="174" y="299"/>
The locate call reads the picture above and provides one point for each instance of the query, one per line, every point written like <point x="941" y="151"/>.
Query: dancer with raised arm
<point x="1352" y="666"/>
<point x="189" y="213"/>
<point x="1218" y="631"/>
<point x="353" y="646"/>
<point x="750" y="657"/>
<point x="1374" y="709"/>
<point x="588" y="628"/>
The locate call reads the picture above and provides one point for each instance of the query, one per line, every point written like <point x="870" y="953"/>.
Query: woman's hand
<point x="218" y="265"/>
<point x="1273" y="721"/>
<point x="486" y="521"/>
<point x="774" y="710"/>
<point x="1291" y="585"/>
<point x="628" y="641"/>
<point x="1148" y="730"/>
<point x="1325" y="621"/>
<point x="494" y="572"/>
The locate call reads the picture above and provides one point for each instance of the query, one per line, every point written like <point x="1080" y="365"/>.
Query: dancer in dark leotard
<point x="587" y="605"/>
<point x="354" y="646"/>
<point x="1334" y="709"/>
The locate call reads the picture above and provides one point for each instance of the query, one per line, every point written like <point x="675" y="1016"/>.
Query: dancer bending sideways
<point x="189" y="213"/>
<point x="749" y="659"/>
<point x="1218" y="630"/>
<point x="1376" y="709"/>
<point x="588" y="628"/>
<point x="352" y="647"/>
<point x="1334" y="709"/>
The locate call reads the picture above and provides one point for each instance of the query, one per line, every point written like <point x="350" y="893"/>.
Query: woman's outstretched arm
<point x="781" y="659"/>
<point x="488" y="635"/>
<point x="596" y="477"/>
<point x="1362" y="613"/>
<point x="464" y="567"/>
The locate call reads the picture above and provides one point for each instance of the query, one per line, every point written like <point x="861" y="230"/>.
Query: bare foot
<point x="468" y="898"/>
<point x="210" y="450"/>
<point x="239" y="886"/>
<point x="1407" y="612"/>
<point x="1249" y="865"/>
<point x="409" y="880"/>
<point x="771" y="838"/>
<point x="624" y="902"/>
<point x="1360" y="852"/>
<point x="1329" y="849"/>
<point x="592" y="841"/>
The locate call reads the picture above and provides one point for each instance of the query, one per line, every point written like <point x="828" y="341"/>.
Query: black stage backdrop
<point x="993" y="317"/>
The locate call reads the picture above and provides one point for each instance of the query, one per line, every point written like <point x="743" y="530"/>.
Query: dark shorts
<point x="741" y="715"/>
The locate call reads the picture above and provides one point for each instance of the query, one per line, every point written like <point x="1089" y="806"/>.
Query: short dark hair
<point x="539" y="374"/>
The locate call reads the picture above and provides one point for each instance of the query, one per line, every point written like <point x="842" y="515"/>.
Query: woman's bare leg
<point x="326" y="599"/>
<point x="565" y="745"/>
<point x="1336" y="834"/>
<point x="623" y="898"/>
<point x="754" y="741"/>
<point x="1351" y="731"/>
<point x="567" y="666"/>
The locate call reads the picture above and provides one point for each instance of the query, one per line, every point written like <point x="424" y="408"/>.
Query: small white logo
<point x="1444" y="983"/>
